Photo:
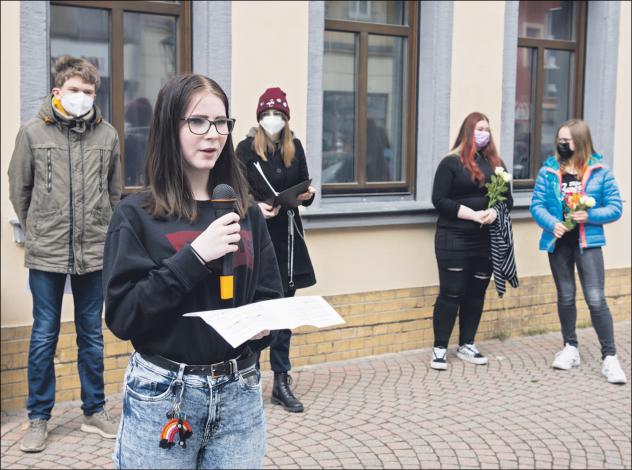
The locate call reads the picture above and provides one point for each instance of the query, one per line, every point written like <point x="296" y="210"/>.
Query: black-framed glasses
<point x="200" y="125"/>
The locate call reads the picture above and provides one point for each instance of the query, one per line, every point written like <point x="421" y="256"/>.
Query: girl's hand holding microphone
<point x="219" y="238"/>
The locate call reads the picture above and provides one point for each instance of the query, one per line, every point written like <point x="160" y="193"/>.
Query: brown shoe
<point x="35" y="438"/>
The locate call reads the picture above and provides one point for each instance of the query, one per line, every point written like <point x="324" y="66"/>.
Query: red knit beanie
<point x="273" y="98"/>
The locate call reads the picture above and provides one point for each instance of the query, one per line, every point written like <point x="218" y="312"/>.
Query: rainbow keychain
<point x="177" y="422"/>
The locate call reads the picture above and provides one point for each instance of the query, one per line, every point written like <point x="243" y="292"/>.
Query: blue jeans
<point x="226" y="416"/>
<point x="48" y="291"/>
<point x="591" y="275"/>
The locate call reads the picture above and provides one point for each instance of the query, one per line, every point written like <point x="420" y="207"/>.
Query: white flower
<point x="506" y="177"/>
<point x="499" y="170"/>
<point x="590" y="201"/>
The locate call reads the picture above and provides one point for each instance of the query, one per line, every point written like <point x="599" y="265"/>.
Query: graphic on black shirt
<point x="243" y="257"/>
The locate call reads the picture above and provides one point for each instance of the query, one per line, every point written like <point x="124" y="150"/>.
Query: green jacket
<point x="64" y="181"/>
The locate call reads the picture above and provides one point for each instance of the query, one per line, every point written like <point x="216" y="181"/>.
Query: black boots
<point x="282" y="394"/>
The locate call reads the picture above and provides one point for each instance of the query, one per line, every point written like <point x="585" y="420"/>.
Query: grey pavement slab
<point x="393" y="411"/>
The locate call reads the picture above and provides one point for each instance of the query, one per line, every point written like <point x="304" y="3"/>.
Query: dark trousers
<point x="591" y="276"/>
<point x="280" y="346"/>
<point x="48" y="290"/>
<point x="462" y="286"/>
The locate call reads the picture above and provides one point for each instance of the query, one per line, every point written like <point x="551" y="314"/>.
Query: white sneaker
<point x="439" y="361"/>
<point x="469" y="353"/>
<point x="566" y="358"/>
<point x="613" y="371"/>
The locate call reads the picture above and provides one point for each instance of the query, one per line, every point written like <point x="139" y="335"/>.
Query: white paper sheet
<point x="237" y="325"/>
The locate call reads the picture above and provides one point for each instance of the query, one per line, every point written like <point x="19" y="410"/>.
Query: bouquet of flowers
<point x="497" y="186"/>
<point x="576" y="202"/>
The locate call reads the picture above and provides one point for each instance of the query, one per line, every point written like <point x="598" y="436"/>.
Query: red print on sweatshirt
<point x="243" y="257"/>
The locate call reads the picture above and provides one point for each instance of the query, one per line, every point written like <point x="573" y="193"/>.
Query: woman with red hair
<point x="462" y="241"/>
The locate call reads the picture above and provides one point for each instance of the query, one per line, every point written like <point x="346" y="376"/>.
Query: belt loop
<point x="233" y="367"/>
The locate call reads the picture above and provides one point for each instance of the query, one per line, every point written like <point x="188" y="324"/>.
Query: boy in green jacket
<point x="64" y="181"/>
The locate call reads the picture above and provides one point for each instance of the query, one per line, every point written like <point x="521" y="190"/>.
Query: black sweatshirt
<point x="151" y="277"/>
<point x="453" y="186"/>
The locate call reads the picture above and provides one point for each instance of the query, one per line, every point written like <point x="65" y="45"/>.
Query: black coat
<point x="281" y="178"/>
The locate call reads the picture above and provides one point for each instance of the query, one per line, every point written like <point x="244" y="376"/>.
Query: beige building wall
<point x="269" y="50"/>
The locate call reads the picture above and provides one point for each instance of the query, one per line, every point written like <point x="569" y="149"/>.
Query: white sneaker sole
<point x="95" y="430"/>
<point x="439" y="365"/>
<point x="480" y="361"/>
<point x="560" y="366"/>
<point x="615" y="380"/>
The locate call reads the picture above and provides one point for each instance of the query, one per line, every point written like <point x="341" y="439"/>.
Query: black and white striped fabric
<point x="503" y="260"/>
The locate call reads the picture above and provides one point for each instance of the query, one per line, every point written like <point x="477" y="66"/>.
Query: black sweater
<point x="453" y="186"/>
<point x="151" y="277"/>
<point x="281" y="178"/>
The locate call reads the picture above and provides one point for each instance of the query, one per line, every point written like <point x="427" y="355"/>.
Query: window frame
<point x="410" y="32"/>
<point x="116" y="9"/>
<point x="578" y="46"/>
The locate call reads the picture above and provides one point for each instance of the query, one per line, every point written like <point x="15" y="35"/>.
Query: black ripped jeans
<point x="462" y="286"/>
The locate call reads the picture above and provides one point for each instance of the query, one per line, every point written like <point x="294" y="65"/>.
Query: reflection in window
<point x="339" y="91"/>
<point x="386" y="12"/>
<point x="524" y="112"/>
<point x="85" y="33"/>
<point x="150" y="59"/>
<point x="384" y="131"/>
<point x="546" y="20"/>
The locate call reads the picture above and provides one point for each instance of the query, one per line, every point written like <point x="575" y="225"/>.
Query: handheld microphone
<point x="223" y="200"/>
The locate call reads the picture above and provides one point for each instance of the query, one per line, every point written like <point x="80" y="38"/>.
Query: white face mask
<point x="77" y="104"/>
<point x="272" y="124"/>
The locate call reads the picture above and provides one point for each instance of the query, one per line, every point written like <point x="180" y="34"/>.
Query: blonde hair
<point x="67" y="66"/>
<point x="580" y="133"/>
<point x="263" y="145"/>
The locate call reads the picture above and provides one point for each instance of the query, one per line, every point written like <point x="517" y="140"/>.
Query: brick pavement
<point x="393" y="411"/>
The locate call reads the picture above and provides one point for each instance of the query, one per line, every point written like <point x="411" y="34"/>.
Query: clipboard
<point x="286" y="198"/>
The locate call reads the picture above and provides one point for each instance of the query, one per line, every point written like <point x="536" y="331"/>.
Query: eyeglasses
<point x="200" y="126"/>
<point x="564" y="141"/>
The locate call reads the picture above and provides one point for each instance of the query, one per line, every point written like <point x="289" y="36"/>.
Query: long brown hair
<point x="170" y="193"/>
<point x="263" y="145"/>
<point x="465" y="146"/>
<point x="580" y="133"/>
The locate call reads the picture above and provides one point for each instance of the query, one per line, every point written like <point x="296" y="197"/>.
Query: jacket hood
<point x="552" y="162"/>
<point x="47" y="114"/>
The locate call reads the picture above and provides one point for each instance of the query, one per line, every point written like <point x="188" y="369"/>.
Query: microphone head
<point x="223" y="192"/>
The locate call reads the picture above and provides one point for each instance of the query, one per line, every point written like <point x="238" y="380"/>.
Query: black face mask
<point x="564" y="149"/>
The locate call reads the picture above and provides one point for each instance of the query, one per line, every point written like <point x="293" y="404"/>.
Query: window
<point x="137" y="47"/>
<point x="369" y="96"/>
<point x="549" y="80"/>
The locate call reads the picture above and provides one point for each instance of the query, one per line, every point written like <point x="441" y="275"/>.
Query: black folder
<point x="286" y="198"/>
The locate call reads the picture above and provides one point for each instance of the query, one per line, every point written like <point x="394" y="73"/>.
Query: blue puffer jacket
<point x="597" y="182"/>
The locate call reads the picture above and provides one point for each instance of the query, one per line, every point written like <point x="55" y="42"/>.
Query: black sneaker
<point x="469" y="353"/>
<point x="439" y="361"/>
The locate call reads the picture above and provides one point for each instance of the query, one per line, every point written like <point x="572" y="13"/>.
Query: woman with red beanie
<point x="271" y="152"/>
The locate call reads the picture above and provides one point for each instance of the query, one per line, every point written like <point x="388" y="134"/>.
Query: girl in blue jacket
<point x="576" y="168"/>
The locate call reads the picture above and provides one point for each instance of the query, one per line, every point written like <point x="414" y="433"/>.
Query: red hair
<point x="465" y="144"/>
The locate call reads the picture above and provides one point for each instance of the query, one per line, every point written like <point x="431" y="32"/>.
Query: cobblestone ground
<point x="393" y="411"/>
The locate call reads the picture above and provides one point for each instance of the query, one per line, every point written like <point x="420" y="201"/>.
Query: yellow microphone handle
<point x="226" y="286"/>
